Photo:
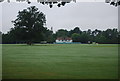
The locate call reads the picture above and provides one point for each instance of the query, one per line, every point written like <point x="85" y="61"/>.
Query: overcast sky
<point x="85" y="15"/>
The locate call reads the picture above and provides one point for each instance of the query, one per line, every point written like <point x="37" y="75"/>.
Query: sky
<point x="85" y="15"/>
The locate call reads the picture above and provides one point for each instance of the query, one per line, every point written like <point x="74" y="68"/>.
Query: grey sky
<point x="86" y="15"/>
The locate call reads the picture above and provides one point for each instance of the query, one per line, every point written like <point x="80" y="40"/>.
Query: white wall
<point x="60" y="41"/>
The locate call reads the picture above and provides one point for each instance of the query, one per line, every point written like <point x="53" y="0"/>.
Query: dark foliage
<point x="29" y="27"/>
<point x="109" y="36"/>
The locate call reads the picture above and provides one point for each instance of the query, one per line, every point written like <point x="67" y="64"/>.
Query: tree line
<point x="30" y="27"/>
<point x="109" y="36"/>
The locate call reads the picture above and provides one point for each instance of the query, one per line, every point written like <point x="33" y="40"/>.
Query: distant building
<point x="43" y="42"/>
<point x="64" y="40"/>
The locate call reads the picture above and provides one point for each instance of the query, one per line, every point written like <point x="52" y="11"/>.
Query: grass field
<point x="60" y="61"/>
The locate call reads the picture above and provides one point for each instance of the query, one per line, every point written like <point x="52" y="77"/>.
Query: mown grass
<point x="60" y="61"/>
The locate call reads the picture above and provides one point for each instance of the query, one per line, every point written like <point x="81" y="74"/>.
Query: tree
<point x="29" y="25"/>
<point x="62" y="33"/>
<point x="84" y="37"/>
<point x="0" y="37"/>
<point x="76" y="37"/>
<point x="75" y="30"/>
<point x="111" y="35"/>
<point x="119" y="37"/>
<point x="49" y="36"/>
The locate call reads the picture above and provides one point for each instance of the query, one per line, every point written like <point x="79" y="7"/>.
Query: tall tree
<point x="29" y="25"/>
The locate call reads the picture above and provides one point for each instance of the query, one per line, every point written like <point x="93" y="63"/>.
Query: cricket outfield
<point x="60" y="61"/>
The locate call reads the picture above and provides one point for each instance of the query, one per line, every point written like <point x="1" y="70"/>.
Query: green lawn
<point x="60" y="61"/>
